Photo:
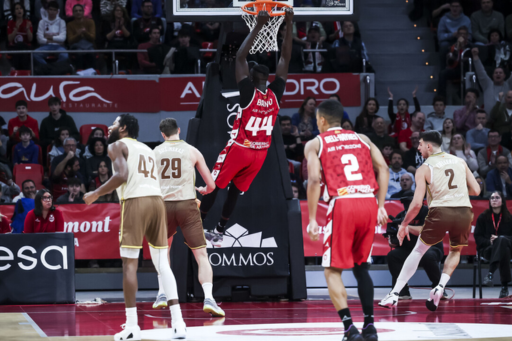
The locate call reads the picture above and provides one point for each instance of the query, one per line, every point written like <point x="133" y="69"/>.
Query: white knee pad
<point x="159" y="258"/>
<point x="129" y="252"/>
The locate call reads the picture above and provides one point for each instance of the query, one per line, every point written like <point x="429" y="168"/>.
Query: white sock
<point x="131" y="317"/>
<point x="160" y="286"/>
<point x="207" y="289"/>
<point x="175" y="313"/>
<point x="410" y="265"/>
<point x="444" y="279"/>
<point x="159" y="258"/>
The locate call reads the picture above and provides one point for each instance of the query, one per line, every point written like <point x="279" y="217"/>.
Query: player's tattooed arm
<point x="311" y="154"/>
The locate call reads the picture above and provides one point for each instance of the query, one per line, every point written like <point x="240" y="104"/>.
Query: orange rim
<point x="260" y="4"/>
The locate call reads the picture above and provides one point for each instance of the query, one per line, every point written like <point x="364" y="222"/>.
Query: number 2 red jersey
<point x="254" y="123"/>
<point x="347" y="167"/>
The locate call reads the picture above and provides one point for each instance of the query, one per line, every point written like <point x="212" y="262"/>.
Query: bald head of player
<point x="125" y="125"/>
<point x="169" y="129"/>
<point x="328" y="115"/>
<point x="430" y="143"/>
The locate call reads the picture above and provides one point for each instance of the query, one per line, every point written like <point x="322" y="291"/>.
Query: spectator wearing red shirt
<point x="402" y="119"/>
<point x="417" y="122"/>
<point x="4" y="224"/>
<point x="19" y="35"/>
<point x="44" y="217"/>
<point x="23" y="119"/>
<point x="465" y="117"/>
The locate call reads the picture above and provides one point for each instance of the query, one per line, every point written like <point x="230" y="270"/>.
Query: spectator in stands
<point x="295" y="190"/>
<point x="41" y="9"/>
<point x="51" y="35"/>
<point x="395" y="173"/>
<point x="26" y="151"/>
<point x="138" y="8"/>
<point x="24" y="204"/>
<point x="477" y="137"/>
<point x="145" y="64"/>
<point x="364" y="122"/>
<point x="347" y="125"/>
<point x="292" y="143"/>
<point x="461" y="149"/>
<point x="506" y="139"/>
<point x="491" y="87"/>
<point x="465" y="117"/>
<point x="406" y="183"/>
<point x="95" y="133"/>
<point x="73" y="195"/>
<point x="413" y="158"/>
<point x="380" y="137"/>
<point x="502" y="112"/>
<point x="86" y="6"/>
<point x="9" y="191"/>
<point x="142" y="26"/>
<point x="499" y="56"/>
<point x="493" y="236"/>
<point x="483" y="191"/>
<point x="335" y="97"/>
<point x="402" y="119"/>
<point x="436" y="118"/>
<point x="117" y="30"/>
<point x="296" y="62"/>
<point x="313" y="61"/>
<point x="56" y="119"/>
<point x="58" y="144"/>
<point x="347" y="53"/>
<point x="81" y="34"/>
<point x="108" y="8"/>
<point x="4" y="224"/>
<point x="305" y="119"/>
<point x="184" y="55"/>
<point x="44" y="217"/>
<point x="485" y="20"/>
<point x="386" y="152"/>
<point x="22" y="120"/>
<point x="499" y="178"/>
<point x="487" y="156"/>
<point x="450" y="23"/>
<point x="404" y="138"/>
<point x="448" y="131"/>
<point x="59" y="163"/>
<point x="104" y="173"/>
<point x="61" y="176"/>
<point x="99" y="147"/>
<point x="10" y="8"/>
<point x="19" y="36"/>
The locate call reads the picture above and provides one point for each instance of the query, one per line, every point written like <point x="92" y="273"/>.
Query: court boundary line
<point x="34" y="325"/>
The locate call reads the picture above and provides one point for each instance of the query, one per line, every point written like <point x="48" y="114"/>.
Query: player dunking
<point x="176" y="161"/>
<point x="346" y="163"/>
<point x="245" y="152"/>
<point x="448" y="183"/>
<point x="142" y="214"/>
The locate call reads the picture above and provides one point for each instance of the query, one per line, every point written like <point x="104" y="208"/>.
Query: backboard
<point x="229" y="10"/>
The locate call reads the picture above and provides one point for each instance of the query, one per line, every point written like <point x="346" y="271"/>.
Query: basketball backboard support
<point x="229" y="10"/>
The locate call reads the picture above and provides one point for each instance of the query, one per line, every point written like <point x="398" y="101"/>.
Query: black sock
<point x="365" y="291"/>
<point x="368" y="319"/>
<point x="505" y="285"/>
<point x="345" y="318"/>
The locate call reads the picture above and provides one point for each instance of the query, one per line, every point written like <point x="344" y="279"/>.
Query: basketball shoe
<point x="370" y="333"/>
<point x="435" y="296"/>
<point x="128" y="333"/>
<point x="179" y="330"/>
<point x="352" y="334"/>
<point x="390" y="300"/>
<point x="161" y="302"/>
<point x="210" y="306"/>
<point x="214" y="237"/>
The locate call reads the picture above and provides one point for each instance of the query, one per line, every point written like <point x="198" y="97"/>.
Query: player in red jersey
<point x="245" y="152"/>
<point x="346" y="163"/>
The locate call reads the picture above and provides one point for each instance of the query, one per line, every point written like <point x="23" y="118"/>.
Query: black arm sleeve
<point x="391" y="113"/>
<point x="246" y="89"/>
<point x="417" y="106"/>
<point x="278" y="86"/>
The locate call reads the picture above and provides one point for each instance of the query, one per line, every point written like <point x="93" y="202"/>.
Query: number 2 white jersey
<point x="142" y="172"/>
<point x="448" y="184"/>
<point x="176" y="171"/>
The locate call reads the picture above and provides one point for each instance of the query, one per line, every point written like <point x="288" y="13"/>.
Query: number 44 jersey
<point x="347" y="168"/>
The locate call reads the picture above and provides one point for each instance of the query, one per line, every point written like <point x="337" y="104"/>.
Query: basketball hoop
<point x="266" y="40"/>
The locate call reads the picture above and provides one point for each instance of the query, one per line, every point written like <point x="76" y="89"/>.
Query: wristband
<point x="307" y="229"/>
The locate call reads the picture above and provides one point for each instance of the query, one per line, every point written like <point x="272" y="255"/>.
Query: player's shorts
<point x="454" y="220"/>
<point x="143" y="216"/>
<point x="238" y="164"/>
<point x="348" y="236"/>
<point x="185" y="214"/>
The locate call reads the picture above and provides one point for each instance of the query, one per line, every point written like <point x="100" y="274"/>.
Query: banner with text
<point x="101" y="94"/>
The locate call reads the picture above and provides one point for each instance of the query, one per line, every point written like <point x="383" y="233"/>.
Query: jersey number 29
<point x="175" y="165"/>
<point x="352" y="166"/>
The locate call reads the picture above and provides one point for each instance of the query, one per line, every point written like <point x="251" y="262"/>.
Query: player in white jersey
<point x="448" y="183"/>
<point x="176" y="161"/>
<point x="142" y="214"/>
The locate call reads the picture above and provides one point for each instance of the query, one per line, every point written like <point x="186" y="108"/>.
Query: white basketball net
<point x="266" y="40"/>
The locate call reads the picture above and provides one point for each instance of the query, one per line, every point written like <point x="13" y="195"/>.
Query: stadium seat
<point x="29" y="171"/>
<point x="39" y="158"/>
<point x="85" y="131"/>
<point x="15" y="73"/>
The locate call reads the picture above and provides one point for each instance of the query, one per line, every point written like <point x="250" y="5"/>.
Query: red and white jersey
<point x="254" y="124"/>
<point x="347" y="168"/>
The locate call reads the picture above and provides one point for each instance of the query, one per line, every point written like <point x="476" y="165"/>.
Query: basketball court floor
<point x="314" y="319"/>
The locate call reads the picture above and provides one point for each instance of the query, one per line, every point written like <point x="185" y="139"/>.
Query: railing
<point x="462" y="74"/>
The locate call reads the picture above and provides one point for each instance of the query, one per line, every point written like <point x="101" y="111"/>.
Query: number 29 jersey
<point x="347" y="168"/>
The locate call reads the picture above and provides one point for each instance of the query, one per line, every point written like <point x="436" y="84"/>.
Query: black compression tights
<point x="365" y="290"/>
<point x="229" y="205"/>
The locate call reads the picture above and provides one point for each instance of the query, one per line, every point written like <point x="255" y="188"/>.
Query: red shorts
<point x="238" y="164"/>
<point x="348" y="236"/>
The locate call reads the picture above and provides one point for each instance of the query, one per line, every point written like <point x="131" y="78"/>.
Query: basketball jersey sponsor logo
<point x="52" y="218"/>
<point x="363" y="189"/>
<point x="247" y="143"/>
<point x="263" y="103"/>
<point x="221" y="158"/>
<point x="215" y="174"/>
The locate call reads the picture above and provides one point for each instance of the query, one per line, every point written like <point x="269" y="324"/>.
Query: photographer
<point x="396" y="257"/>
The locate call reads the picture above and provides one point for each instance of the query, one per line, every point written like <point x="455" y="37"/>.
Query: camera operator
<point x="396" y="257"/>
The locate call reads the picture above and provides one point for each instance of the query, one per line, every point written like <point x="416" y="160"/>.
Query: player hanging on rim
<point x="142" y="214"/>
<point x="176" y="161"/>
<point x="448" y="183"/>
<point x="346" y="162"/>
<point x="245" y="152"/>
